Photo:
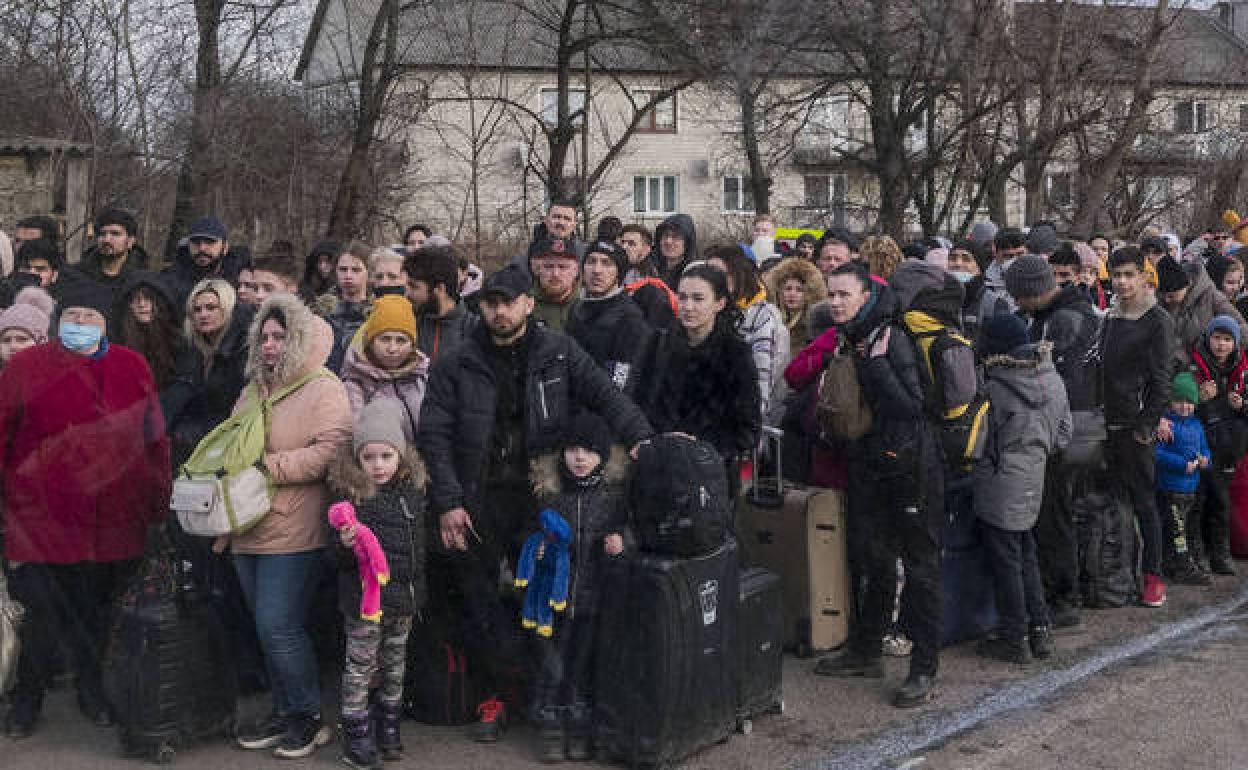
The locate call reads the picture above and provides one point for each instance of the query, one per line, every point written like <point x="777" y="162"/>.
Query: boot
<point x="550" y="741"/>
<point x="850" y="663"/>
<point x="1003" y="649"/>
<point x="1041" y="640"/>
<point x="1195" y="540"/>
<point x="386" y="720"/>
<point x="1219" y="547"/>
<point x="915" y="691"/>
<point x="359" y="750"/>
<point x="580" y="733"/>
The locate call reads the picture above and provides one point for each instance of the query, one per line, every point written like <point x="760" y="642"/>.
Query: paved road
<point x="837" y="724"/>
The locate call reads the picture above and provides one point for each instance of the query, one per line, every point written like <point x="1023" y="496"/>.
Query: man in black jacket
<point x="1135" y="373"/>
<point x="605" y="321"/>
<point x="207" y="253"/>
<point x="433" y="287"/>
<point x="115" y="253"/>
<point x="896" y="492"/>
<point x="1064" y="317"/>
<point x="504" y="396"/>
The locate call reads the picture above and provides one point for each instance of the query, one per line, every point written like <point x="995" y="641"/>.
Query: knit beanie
<point x="1088" y="258"/>
<point x="1170" y="276"/>
<point x="1221" y="323"/>
<point x="391" y="313"/>
<point x="1183" y="388"/>
<point x="1217" y="267"/>
<point x="590" y="432"/>
<point x="84" y="292"/>
<point x="1002" y="333"/>
<point x="1029" y="276"/>
<point x="983" y="232"/>
<point x="31" y="312"/>
<point x="616" y="253"/>
<point x="380" y="422"/>
<point x="1042" y="239"/>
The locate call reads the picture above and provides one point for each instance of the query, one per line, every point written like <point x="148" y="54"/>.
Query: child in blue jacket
<point x="1179" y="463"/>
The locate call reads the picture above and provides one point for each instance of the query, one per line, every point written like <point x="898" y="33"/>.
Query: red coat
<point x="83" y="453"/>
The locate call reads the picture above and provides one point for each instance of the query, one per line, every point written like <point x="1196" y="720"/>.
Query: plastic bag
<point x="11" y="613"/>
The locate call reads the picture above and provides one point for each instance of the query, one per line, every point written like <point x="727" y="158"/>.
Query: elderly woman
<point x="279" y="559"/>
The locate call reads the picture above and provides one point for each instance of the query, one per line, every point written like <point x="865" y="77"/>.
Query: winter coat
<point x="395" y="513"/>
<point x="306" y="428"/>
<point x="981" y="303"/>
<point x="437" y="335"/>
<point x="457" y="418"/>
<point x="612" y="331"/>
<point x="182" y="276"/>
<point x="1029" y="422"/>
<point x="709" y="391"/>
<point x="406" y="385"/>
<point x="1226" y="427"/>
<point x="91" y="269"/>
<point x="816" y="290"/>
<point x="145" y="279"/>
<point x="763" y="329"/>
<point x="1172" y="458"/>
<point x="1135" y="366"/>
<point x="594" y="508"/>
<point x="202" y="397"/>
<point x="84" y="456"/>
<point x="345" y="319"/>
<point x="683" y="224"/>
<point x="1071" y="325"/>
<point x="1192" y="316"/>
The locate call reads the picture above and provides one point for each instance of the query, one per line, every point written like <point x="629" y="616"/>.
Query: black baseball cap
<point x="510" y="282"/>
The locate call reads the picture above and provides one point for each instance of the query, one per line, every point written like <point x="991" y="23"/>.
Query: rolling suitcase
<point x="798" y="532"/>
<point x="761" y="669"/>
<point x="666" y="683"/>
<point x="168" y="670"/>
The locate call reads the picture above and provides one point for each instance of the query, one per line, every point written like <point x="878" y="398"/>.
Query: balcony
<point x="1172" y="149"/>
<point x="825" y="148"/>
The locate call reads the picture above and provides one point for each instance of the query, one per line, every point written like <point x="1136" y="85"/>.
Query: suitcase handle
<point x="768" y="493"/>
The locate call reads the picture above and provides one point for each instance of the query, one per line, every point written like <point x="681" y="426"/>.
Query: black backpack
<point x="1105" y="527"/>
<point x="679" y="496"/>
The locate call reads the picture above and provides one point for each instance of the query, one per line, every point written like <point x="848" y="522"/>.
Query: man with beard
<point x="555" y="266"/>
<point x="115" y="254"/>
<point x="442" y="321"/>
<point x="207" y="253"/>
<point x="499" y="400"/>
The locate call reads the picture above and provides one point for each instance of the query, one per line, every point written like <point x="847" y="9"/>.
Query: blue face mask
<point x="962" y="276"/>
<point x="79" y="337"/>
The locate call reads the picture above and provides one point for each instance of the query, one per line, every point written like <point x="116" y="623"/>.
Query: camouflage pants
<point x="374" y="649"/>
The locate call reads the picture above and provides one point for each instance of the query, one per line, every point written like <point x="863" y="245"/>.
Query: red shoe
<point x="1154" y="593"/>
<point x="493" y="713"/>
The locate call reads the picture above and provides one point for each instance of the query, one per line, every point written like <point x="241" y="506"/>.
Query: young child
<point x="1029" y="421"/>
<point x="384" y="480"/>
<point x="25" y="323"/>
<point x="1179" y="464"/>
<point x="1220" y="370"/>
<point x="584" y="484"/>
<point x="383" y="362"/>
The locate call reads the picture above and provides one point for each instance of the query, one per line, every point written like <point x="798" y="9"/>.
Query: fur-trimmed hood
<point x="309" y="340"/>
<point x="1023" y="371"/>
<point x="347" y="479"/>
<point x="803" y="270"/>
<point x="548" y="481"/>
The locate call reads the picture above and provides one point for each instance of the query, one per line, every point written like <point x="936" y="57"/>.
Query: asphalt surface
<point x="1138" y="688"/>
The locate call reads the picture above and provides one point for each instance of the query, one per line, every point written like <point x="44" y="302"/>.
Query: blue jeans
<point x="277" y="588"/>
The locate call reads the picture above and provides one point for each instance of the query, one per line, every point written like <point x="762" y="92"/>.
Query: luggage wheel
<point x="778" y="708"/>
<point x="165" y="754"/>
<point x="745" y="726"/>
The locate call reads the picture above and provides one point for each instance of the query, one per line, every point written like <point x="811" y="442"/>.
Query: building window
<point x="550" y="106"/>
<point x="654" y="194"/>
<point x="738" y="195"/>
<point x="1061" y="189"/>
<point x="660" y="119"/>
<point x="1191" y="117"/>
<point x="826" y="195"/>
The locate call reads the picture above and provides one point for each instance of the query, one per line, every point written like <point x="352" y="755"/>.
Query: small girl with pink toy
<point x="380" y="551"/>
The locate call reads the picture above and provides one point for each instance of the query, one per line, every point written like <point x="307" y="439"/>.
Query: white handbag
<point x="222" y="505"/>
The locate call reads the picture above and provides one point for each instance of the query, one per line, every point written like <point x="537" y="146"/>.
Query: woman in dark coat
<point x="701" y="379"/>
<point x="149" y="323"/>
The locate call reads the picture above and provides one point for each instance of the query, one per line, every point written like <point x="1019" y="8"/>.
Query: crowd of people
<point x="449" y="408"/>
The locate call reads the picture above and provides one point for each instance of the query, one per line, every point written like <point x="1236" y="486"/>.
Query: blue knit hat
<point x="1224" y="323"/>
<point x="1001" y="334"/>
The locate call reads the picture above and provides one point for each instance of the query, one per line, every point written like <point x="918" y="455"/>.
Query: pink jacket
<point x="807" y="364"/>
<point x="406" y="385"/>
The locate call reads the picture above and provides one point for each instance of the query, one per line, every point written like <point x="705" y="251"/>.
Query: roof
<point x="34" y="144"/>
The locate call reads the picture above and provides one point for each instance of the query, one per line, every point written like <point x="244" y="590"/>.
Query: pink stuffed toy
<point x="374" y="571"/>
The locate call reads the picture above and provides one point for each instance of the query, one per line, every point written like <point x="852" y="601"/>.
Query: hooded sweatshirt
<point x="682" y="224"/>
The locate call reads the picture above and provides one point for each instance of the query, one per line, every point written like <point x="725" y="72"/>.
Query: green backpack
<point x="223" y="488"/>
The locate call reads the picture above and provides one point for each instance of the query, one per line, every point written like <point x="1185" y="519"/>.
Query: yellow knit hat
<point x="391" y="313"/>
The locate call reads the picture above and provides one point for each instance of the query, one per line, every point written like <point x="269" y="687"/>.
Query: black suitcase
<point x="168" y="670"/>
<point x="970" y="601"/>
<point x="761" y="631"/>
<point x="666" y="684"/>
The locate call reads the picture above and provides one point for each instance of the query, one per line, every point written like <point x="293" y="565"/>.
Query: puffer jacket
<point x="1192" y="316"/>
<point x="395" y="513"/>
<point x="1172" y="458"/>
<point x="1226" y="427"/>
<point x="1029" y="421"/>
<point x="305" y="430"/>
<point x="406" y="385"/>
<point x="457" y="418"/>
<point x="1073" y="328"/>
<point x="612" y="331"/>
<point x="594" y="508"/>
<point x="182" y="276"/>
<point x="815" y="288"/>
<point x="763" y="329"/>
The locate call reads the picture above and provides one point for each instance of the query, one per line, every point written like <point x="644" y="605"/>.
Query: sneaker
<point x="492" y="722"/>
<point x="896" y="646"/>
<point x="850" y="663"/>
<point x="1006" y="650"/>
<point x="1041" y="640"/>
<point x="1154" y="593"/>
<point x="305" y="733"/>
<point x="917" y="690"/>
<point x="264" y="735"/>
<point x="20" y="722"/>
